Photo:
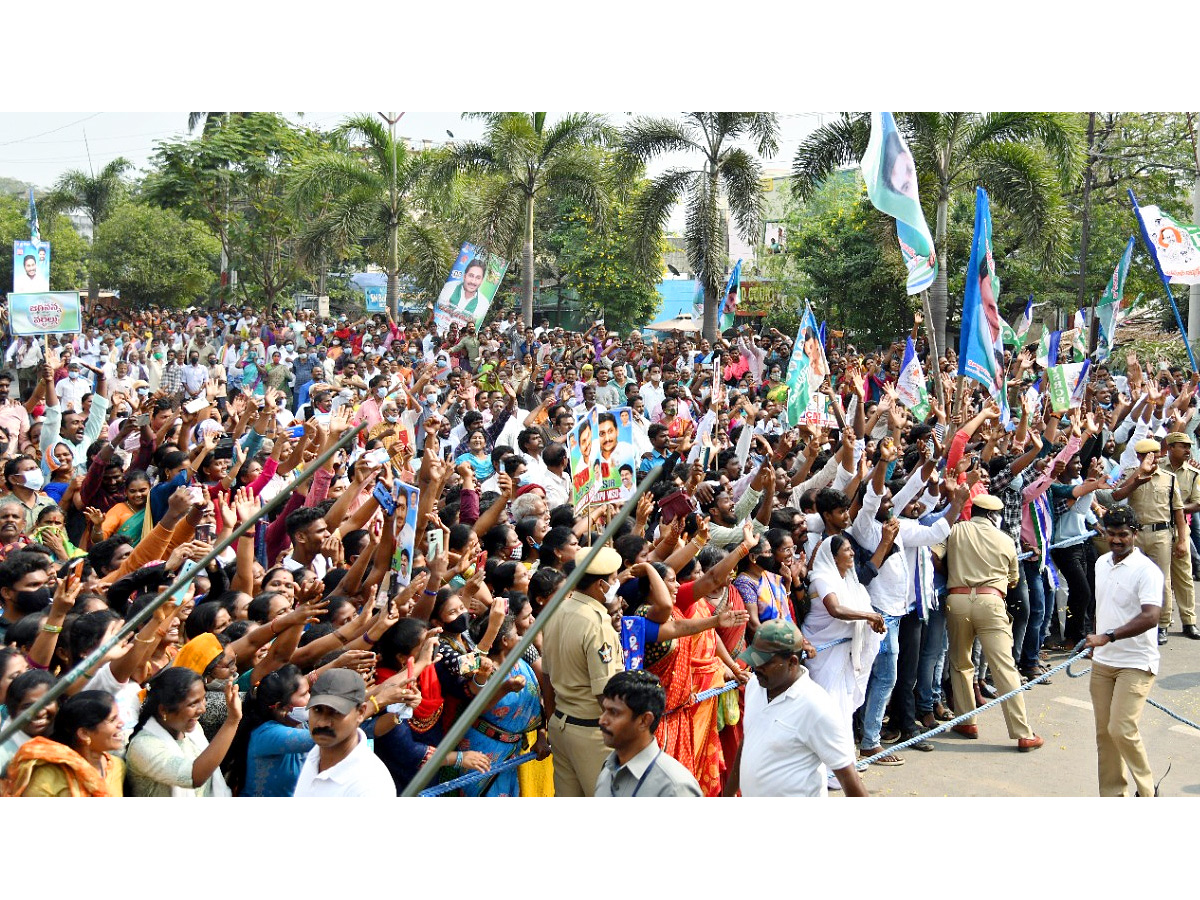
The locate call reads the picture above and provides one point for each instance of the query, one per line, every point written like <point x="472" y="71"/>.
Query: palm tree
<point x="523" y="159"/>
<point x="97" y="195"/>
<point x="1024" y="160"/>
<point x="725" y="168"/>
<point x="367" y="189"/>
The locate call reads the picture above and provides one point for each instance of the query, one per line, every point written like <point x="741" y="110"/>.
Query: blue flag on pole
<point x="980" y="346"/>
<point x="824" y="343"/>
<point x="35" y="232"/>
<point x="729" y="299"/>
<point x="1026" y="319"/>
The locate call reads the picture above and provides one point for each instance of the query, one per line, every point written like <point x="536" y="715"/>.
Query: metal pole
<point x="935" y="360"/>
<point x="480" y="704"/>
<point x="134" y="624"/>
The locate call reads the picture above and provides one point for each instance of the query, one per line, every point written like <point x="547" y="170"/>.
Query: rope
<point x="946" y="726"/>
<point x="1154" y="703"/>
<point x="472" y="777"/>
<point x="1068" y="543"/>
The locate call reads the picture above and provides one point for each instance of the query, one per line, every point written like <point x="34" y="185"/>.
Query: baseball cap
<point x="340" y="689"/>
<point x="772" y="637"/>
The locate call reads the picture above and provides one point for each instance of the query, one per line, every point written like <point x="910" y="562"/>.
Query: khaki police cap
<point x="606" y="562"/>
<point x="987" y="501"/>
<point x="1146" y="445"/>
<point x="1178" y="437"/>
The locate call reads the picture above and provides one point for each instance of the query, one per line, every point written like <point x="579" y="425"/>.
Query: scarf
<point x="82" y="778"/>
<point x="195" y="736"/>
<point x="1043" y="530"/>
<point x="198" y="653"/>
<point x="826" y="578"/>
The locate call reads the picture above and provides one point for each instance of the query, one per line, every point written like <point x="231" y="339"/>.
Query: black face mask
<point x="30" y="602"/>
<point x="769" y="563"/>
<point x="457" y="626"/>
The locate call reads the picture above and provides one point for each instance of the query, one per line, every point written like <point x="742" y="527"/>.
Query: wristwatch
<point x="1111" y="635"/>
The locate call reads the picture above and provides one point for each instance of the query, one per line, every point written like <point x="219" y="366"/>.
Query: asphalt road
<point x="1061" y="712"/>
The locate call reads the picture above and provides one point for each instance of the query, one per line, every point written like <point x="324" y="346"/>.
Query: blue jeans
<point x="934" y="643"/>
<point x="1035" y="582"/>
<point x="880" y="684"/>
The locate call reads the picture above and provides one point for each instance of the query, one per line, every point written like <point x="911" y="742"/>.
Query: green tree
<point x="234" y="180"/>
<point x="152" y="256"/>
<point x="525" y="158"/>
<point x="1025" y="161"/>
<point x="96" y="195"/>
<point x="722" y="169"/>
<point x="365" y="191"/>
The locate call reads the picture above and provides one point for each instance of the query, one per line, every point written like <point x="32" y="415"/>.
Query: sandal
<point x="890" y="760"/>
<point x="942" y="714"/>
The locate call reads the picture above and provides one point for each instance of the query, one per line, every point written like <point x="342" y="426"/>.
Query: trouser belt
<point x="977" y="590"/>
<point x="571" y="720"/>
<point x="1158" y="526"/>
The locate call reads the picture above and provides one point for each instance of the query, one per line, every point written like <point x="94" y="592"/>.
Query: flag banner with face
<point x="891" y="178"/>
<point x="1026" y="320"/>
<point x="35" y="231"/>
<point x="1174" y="245"/>
<point x="407" y="500"/>
<point x="910" y="386"/>
<point x="980" y="346"/>
<point x="1111" y="302"/>
<point x="1080" y="387"/>
<point x="806" y="369"/>
<point x="1079" y="336"/>
<point x="729" y="299"/>
<point x="582" y="452"/>
<point x="1008" y="334"/>
<point x="615" y="466"/>
<point x="468" y="292"/>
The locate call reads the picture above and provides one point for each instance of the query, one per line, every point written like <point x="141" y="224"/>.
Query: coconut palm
<point x="365" y="189"/>
<point x="723" y="168"/>
<point x="1024" y="160"/>
<point x="95" y="194"/>
<point x="524" y="158"/>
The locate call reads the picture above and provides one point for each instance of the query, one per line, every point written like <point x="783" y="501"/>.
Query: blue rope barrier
<point x="1071" y="543"/>
<point x="1174" y="715"/>
<point x="946" y="726"/>
<point x="472" y="777"/>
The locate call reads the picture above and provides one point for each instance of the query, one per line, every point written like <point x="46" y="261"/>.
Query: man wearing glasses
<point x="793" y="733"/>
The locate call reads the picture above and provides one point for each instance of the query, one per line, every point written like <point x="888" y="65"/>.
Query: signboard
<point x="49" y="312"/>
<point x="405" y="522"/>
<point x="31" y="267"/>
<point x="376" y="299"/>
<point x="616" y="457"/>
<point x="581" y="450"/>
<point x="468" y="292"/>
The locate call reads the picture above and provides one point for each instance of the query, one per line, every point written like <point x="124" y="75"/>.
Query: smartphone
<point x="469" y="663"/>
<point x="378" y="456"/>
<point x="383" y="593"/>
<point x="296" y="431"/>
<point x="194" y="406"/>
<point x="386" y="501"/>
<point x="480" y="560"/>
<point x="705" y="458"/>
<point x="142" y="420"/>
<point x="197" y="494"/>
<point x="433" y="540"/>
<point x="206" y="532"/>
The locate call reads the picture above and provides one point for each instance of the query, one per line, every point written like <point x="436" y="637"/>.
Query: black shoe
<point x="1162" y="636"/>
<point x="1190" y="631"/>
<point x="923" y="745"/>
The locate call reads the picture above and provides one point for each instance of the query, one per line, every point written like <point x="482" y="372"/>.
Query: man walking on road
<point x="1125" y="655"/>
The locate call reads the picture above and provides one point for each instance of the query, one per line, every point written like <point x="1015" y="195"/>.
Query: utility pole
<point x="393" y="223"/>
<point x="1093" y="334"/>
<point x="1194" y="290"/>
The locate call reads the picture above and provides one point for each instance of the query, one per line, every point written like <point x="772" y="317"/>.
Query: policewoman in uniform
<point x="581" y="651"/>
<point x="1178" y="461"/>
<point x="1154" y="496"/>
<point x="981" y="562"/>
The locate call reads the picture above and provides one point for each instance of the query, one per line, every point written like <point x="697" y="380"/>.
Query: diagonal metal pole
<point x="484" y="698"/>
<point x="132" y="625"/>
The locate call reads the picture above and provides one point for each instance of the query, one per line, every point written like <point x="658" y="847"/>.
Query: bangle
<point x="52" y="629"/>
<point x="475" y="681"/>
<point x="458" y="760"/>
<point x="153" y="640"/>
<point x="342" y="639"/>
<point x="428" y="593"/>
<point x="368" y="640"/>
<point x="375" y="703"/>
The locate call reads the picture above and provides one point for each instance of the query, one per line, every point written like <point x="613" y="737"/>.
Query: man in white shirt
<point x="793" y="732"/>
<point x="341" y="764"/>
<point x="1125" y="655"/>
<point x="72" y="389"/>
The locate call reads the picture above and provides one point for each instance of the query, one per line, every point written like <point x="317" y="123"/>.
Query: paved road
<point x="1061" y="712"/>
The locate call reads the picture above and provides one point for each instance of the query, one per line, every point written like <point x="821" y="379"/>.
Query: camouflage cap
<point x="772" y="637"/>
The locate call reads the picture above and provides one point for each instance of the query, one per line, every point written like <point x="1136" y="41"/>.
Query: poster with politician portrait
<point x="31" y="267"/>
<point x="615" y="456"/>
<point x="582" y="450"/>
<point x="468" y="292"/>
<point x="405" y="522"/>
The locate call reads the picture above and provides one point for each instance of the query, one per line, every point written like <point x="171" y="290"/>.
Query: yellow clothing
<point x="536" y="777"/>
<point x="49" y="780"/>
<point x="978" y="554"/>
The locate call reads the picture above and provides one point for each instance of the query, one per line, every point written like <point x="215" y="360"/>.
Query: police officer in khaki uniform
<point x="1178" y="461"/>
<point x="580" y="652"/>
<point x="1154" y="496"/>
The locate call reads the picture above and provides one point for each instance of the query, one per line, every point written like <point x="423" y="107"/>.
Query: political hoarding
<point x="31" y="267"/>
<point x="48" y="312"/>
<point x="470" y="289"/>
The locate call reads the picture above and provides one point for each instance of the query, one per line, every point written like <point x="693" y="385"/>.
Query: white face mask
<point x="298" y="714"/>
<point x="391" y="419"/>
<point x="611" y="593"/>
<point x="33" y="479"/>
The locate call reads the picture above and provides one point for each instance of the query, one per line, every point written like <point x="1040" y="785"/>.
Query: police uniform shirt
<point x="1187" y="476"/>
<point x="1153" y="501"/>
<point x="580" y="652"/>
<point x="978" y="554"/>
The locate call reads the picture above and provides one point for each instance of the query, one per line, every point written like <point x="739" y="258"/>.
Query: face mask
<point x="516" y="553"/>
<point x="34" y="480"/>
<point x="298" y="714"/>
<point x="289" y="347"/>
<point x="611" y="593"/>
<point x="75" y="376"/>
<point x="158" y="356"/>
<point x="392" y="420"/>
<point x="458" y="626"/>
<point x="29" y="602"/>
<point x="380" y="392"/>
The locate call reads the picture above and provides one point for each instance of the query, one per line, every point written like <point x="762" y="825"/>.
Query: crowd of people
<point x="857" y="579"/>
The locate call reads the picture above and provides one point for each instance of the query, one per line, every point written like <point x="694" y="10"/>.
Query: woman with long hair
<point x="77" y="759"/>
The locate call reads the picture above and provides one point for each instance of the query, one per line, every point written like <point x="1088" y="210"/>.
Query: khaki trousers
<point x="1157" y="546"/>
<point x="984" y="616"/>
<point x="1184" y="590"/>
<point x="579" y="755"/>
<point x="1118" y="697"/>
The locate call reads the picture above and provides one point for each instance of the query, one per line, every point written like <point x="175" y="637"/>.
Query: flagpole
<point x="1137" y="214"/>
<point x="934" y="356"/>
